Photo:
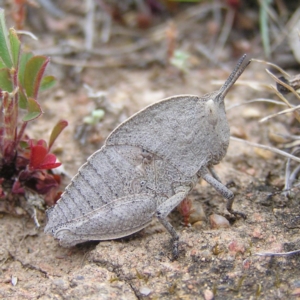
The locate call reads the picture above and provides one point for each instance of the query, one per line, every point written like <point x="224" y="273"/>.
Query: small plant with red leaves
<point x="25" y="164"/>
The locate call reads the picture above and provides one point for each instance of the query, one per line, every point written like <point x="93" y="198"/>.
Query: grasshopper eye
<point x="211" y="111"/>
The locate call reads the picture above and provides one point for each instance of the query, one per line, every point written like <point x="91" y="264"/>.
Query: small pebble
<point x="199" y="225"/>
<point x="236" y="247"/>
<point x="256" y="233"/>
<point x="14" y="280"/>
<point x="197" y="213"/>
<point x="217" y="221"/>
<point x="296" y="292"/>
<point x="61" y="283"/>
<point x="208" y="295"/>
<point x="20" y="211"/>
<point x="145" y="291"/>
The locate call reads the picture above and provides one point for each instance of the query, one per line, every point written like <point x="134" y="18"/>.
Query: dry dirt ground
<point x="213" y="263"/>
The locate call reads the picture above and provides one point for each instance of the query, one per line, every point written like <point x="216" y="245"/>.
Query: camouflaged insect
<point x="146" y="167"/>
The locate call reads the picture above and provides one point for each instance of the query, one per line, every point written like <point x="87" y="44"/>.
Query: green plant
<point x="263" y="25"/>
<point x="25" y="163"/>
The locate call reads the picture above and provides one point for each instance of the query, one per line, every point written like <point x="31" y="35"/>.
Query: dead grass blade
<point x="272" y="149"/>
<point x="277" y="254"/>
<point x="280" y="113"/>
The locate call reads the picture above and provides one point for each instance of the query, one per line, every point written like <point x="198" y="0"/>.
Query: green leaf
<point x="4" y="44"/>
<point x="264" y="28"/>
<point x="56" y="131"/>
<point x="34" y="110"/>
<point x="24" y="144"/>
<point x="33" y="74"/>
<point x="23" y="102"/>
<point x="96" y="116"/>
<point x="22" y="65"/>
<point x="47" y="83"/>
<point x="2" y="64"/>
<point x="6" y="80"/>
<point x="180" y="60"/>
<point x="15" y="46"/>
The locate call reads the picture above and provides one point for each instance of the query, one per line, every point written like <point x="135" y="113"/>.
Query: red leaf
<point x="42" y="143"/>
<point x="40" y="158"/>
<point x="37" y="156"/>
<point x="45" y="185"/>
<point x="49" y="162"/>
<point x="17" y="188"/>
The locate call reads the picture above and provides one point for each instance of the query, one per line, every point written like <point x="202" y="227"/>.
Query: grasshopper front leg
<point x="221" y="188"/>
<point x="165" y="208"/>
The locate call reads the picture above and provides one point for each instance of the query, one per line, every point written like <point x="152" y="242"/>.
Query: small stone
<point x="197" y="213"/>
<point x="256" y="233"/>
<point x="236" y="247"/>
<point x="20" y="211"/>
<point x="205" y="254"/>
<point x="199" y="225"/>
<point x="250" y="171"/>
<point x="145" y="291"/>
<point x="296" y="292"/>
<point x="14" y="280"/>
<point x="61" y="284"/>
<point x="217" y="221"/>
<point x="208" y="295"/>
